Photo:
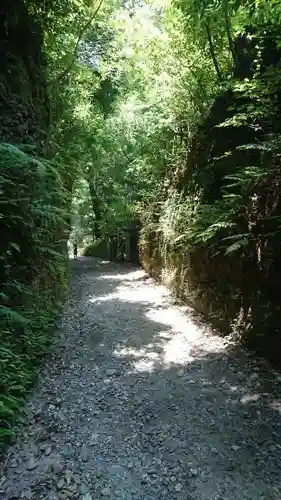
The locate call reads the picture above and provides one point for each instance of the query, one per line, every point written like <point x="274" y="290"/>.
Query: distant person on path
<point x="75" y="250"/>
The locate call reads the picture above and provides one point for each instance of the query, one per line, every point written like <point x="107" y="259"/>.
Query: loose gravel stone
<point x="111" y="372"/>
<point x="214" y="450"/>
<point x="142" y="401"/>
<point x="30" y="466"/>
<point x="105" y="492"/>
<point x="28" y="495"/>
<point x="194" y="472"/>
<point x="84" y="488"/>
<point x="60" y="484"/>
<point x="178" y="487"/>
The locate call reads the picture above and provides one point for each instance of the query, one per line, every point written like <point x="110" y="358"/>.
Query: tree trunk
<point x="212" y="51"/>
<point x="97" y="212"/>
<point x="228" y="30"/>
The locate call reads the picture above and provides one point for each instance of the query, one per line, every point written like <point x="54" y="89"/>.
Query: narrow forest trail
<point x="140" y="401"/>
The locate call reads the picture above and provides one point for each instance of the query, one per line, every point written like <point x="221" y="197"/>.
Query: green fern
<point x="12" y="316"/>
<point x="33" y="207"/>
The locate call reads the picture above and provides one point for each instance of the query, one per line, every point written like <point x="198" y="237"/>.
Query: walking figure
<point x="75" y="250"/>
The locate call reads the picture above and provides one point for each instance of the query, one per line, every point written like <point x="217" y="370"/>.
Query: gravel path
<point x="141" y="401"/>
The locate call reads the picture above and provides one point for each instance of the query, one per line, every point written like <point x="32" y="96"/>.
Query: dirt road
<point x="142" y="401"/>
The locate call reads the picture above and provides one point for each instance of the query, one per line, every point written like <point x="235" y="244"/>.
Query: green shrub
<point x="33" y="271"/>
<point x="214" y="236"/>
<point x="96" y="249"/>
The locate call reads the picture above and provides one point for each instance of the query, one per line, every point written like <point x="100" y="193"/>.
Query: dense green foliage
<point x="190" y="145"/>
<point x="34" y="209"/>
<point x="33" y="270"/>
<point x="161" y="111"/>
<point x="46" y="133"/>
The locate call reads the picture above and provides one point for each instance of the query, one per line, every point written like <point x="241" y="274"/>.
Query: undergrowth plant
<point x="33" y="271"/>
<point x="218" y="230"/>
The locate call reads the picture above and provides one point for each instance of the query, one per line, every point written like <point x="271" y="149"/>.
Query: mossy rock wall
<point x="23" y="98"/>
<point x="232" y="276"/>
<point x="33" y="264"/>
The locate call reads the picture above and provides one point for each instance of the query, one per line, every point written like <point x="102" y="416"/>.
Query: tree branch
<point x="228" y="30"/>
<point x="212" y="51"/>
<point x="82" y="32"/>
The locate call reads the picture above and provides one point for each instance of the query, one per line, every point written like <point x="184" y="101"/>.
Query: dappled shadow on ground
<point x="220" y="407"/>
<point x="142" y="401"/>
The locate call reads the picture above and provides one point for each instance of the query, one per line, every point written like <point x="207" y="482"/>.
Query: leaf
<point x="236" y="236"/>
<point x="236" y="246"/>
<point x="15" y="246"/>
<point x="17" y="388"/>
<point x="12" y="315"/>
<point x="179" y="238"/>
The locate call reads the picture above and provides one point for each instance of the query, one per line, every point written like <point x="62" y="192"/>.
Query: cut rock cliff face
<point x="23" y="98"/>
<point x="232" y="179"/>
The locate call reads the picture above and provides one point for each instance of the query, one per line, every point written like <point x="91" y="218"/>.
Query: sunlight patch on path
<point x="143" y="401"/>
<point x="181" y="338"/>
<point x="177" y="344"/>
<point x="131" y="276"/>
<point x="137" y="293"/>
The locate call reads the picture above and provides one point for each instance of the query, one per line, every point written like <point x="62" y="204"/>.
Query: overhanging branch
<point x="82" y="32"/>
